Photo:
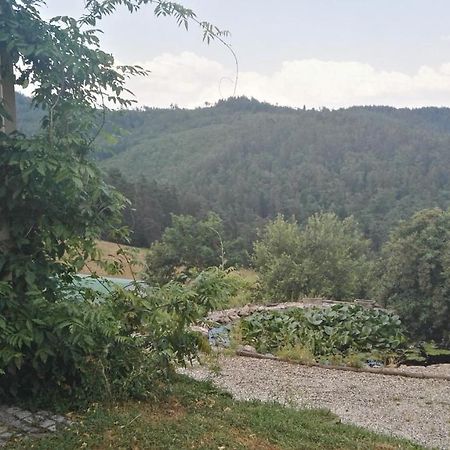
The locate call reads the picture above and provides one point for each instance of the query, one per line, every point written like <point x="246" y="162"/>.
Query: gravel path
<point x="407" y="407"/>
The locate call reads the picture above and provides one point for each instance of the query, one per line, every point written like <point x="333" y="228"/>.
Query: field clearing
<point x="109" y="253"/>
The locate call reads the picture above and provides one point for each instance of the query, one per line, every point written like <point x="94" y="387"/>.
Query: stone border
<point x="226" y="316"/>
<point x="17" y="422"/>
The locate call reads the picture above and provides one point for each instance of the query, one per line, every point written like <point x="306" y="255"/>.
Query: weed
<point x="296" y="353"/>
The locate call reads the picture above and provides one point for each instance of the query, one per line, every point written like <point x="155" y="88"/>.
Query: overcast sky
<point x="329" y="53"/>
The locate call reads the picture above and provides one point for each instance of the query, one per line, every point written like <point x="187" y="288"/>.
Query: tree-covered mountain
<point x="248" y="161"/>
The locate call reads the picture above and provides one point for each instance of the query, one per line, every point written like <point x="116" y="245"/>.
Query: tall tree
<point x="188" y="244"/>
<point x="328" y="257"/>
<point x="55" y="203"/>
<point x="7" y="117"/>
<point x="416" y="274"/>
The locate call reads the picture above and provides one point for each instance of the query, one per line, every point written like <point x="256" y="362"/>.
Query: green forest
<point x="248" y="161"/>
<point x="319" y="203"/>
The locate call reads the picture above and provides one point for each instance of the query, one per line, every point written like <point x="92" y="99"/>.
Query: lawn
<point x="195" y="415"/>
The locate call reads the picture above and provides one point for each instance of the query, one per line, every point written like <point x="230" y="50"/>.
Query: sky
<point x="313" y="53"/>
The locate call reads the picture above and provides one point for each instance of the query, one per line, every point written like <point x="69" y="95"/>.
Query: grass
<point x="109" y="252"/>
<point x="248" y="282"/>
<point x="297" y="353"/>
<point x="198" y="416"/>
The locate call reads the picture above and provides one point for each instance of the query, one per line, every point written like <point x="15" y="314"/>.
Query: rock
<point x="219" y="337"/>
<point x="6" y="435"/>
<point x="48" y="424"/>
<point x="199" y="329"/>
<point x="22" y="414"/>
<point x="64" y="420"/>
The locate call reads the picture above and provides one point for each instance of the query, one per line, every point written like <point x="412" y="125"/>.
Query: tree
<point x="328" y="257"/>
<point x="150" y="208"/>
<point x="250" y="162"/>
<point x="416" y="274"/>
<point x="189" y="243"/>
<point x="54" y="203"/>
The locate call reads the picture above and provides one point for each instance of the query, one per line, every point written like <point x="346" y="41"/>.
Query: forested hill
<point x="248" y="161"/>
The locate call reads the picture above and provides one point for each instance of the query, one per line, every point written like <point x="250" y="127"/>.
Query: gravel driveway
<point x="407" y="407"/>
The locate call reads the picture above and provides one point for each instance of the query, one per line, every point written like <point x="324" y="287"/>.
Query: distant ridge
<point x="249" y="160"/>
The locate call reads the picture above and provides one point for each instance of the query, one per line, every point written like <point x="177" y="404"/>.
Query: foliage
<point x="329" y="257"/>
<point x="339" y="329"/>
<point x="247" y="289"/>
<point x="54" y="203"/>
<point x="416" y="274"/>
<point x="149" y="211"/>
<point x="104" y="346"/>
<point x="297" y="353"/>
<point x="188" y="244"/>
<point x="249" y="161"/>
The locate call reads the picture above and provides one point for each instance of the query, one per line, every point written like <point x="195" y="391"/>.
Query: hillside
<point x="248" y="161"/>
<point x="109" y="253"/>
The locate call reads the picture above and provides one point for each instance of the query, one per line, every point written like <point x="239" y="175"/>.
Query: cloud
<point x="190" y="80"/>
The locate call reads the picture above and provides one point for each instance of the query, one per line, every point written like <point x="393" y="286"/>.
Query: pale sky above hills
<point x="329" y="53"/>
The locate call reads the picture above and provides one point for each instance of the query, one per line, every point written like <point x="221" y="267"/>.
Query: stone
<point x="59" y="419"/>
<point x="22" y="426"/>
<point x="30" y="419"/>
<point x="35" y="418"/>
<point x="48" y="424"/>
<point x="22" y="414"/>
<point x="199" y="329"/>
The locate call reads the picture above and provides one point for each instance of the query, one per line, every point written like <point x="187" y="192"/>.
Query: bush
<point x="416" y="275"/>
<point x="110" y="346"/>
<point x="187" y="244"/>
<point x="329" y="257"/>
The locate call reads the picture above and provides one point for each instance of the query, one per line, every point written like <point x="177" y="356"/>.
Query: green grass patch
<point x="198" y="416"/>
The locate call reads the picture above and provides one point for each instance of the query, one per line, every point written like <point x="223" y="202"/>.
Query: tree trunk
<point x="7" y="93"/>
<point x="7" y="125"/>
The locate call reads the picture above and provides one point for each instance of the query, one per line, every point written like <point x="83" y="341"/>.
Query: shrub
<point x="329" y="257"/>
<point x="114" y="345"/>
<point x="416" y="275"/>
<point x="187" y="244"/>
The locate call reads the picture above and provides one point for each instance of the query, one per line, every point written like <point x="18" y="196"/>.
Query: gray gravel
<point x="412" y="408"/>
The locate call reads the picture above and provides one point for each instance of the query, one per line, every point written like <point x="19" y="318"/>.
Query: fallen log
<point x="382" y="371"/>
